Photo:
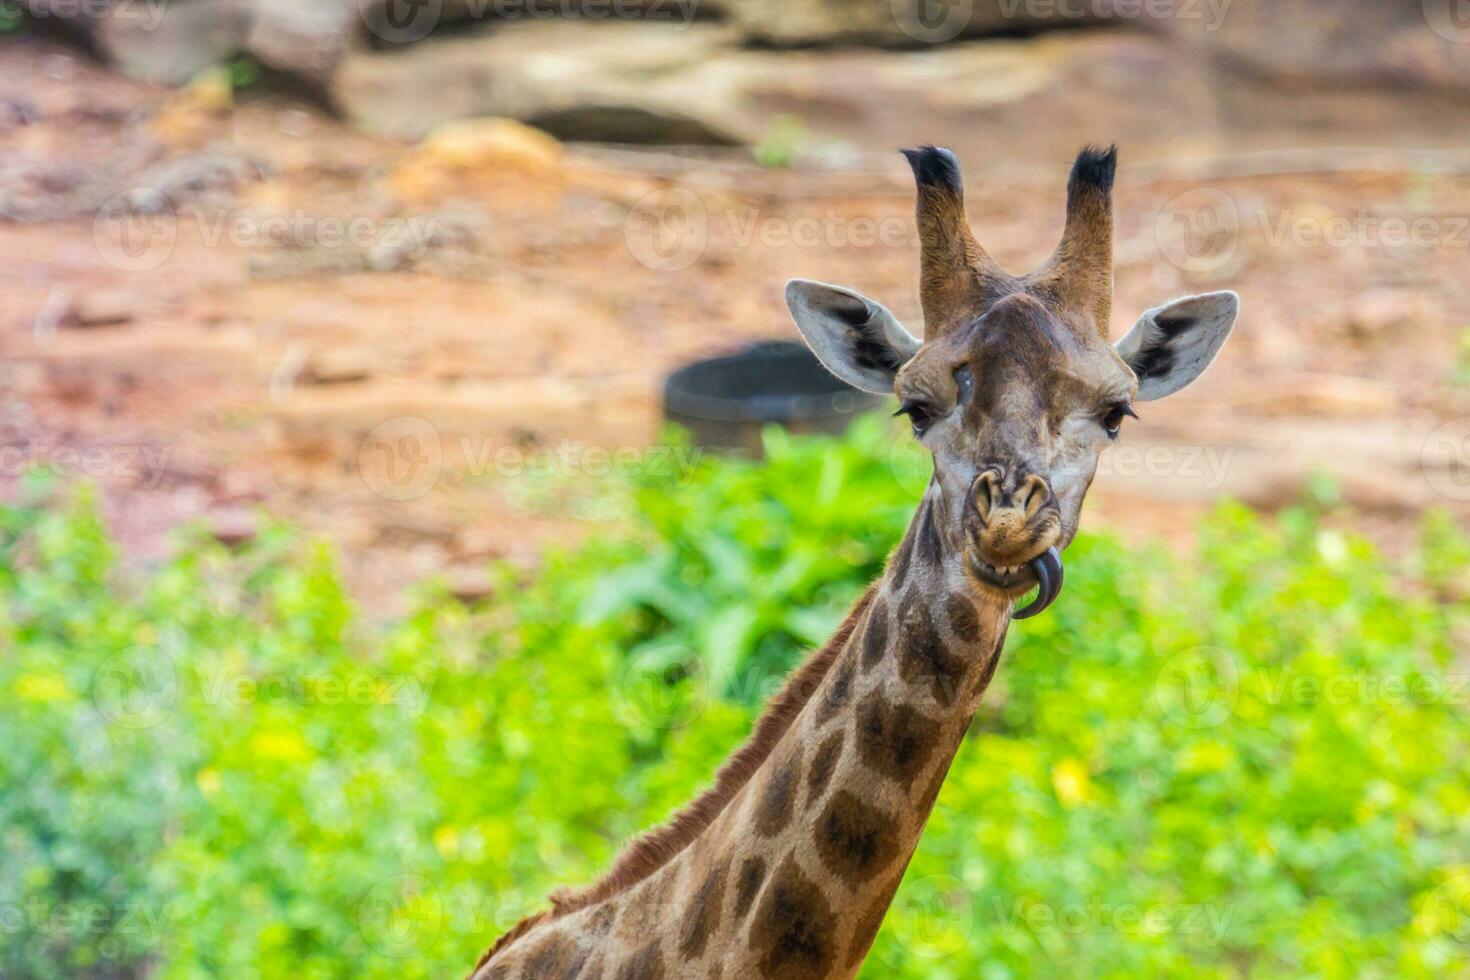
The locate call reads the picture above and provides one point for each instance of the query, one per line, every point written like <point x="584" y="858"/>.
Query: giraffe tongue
<point x="1048" y="569"/>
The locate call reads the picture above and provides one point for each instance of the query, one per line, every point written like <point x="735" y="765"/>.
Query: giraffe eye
<point x="919" y="415"/>
<point x="1112" y="419"/>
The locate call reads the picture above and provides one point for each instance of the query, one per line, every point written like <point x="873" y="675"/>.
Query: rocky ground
<point x="217" y="305"/>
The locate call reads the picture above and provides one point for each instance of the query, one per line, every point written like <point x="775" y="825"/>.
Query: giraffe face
<point x="1015" y="409"/>
<point x="1015" y="390"/>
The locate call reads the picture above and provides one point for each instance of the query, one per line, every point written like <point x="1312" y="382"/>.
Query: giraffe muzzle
<point x="1045" y="569"/>
<point x="1008" y="521"/>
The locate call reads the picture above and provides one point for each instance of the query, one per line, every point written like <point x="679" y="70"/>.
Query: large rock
<point x="901" y="23"/>
<point x="621" y="81"/>
<point x="306" y="39"/>
<point x="784" y="23"/>
<point x="648" y="82"/>
<point x="1317" y="42"/>
<point x="171" y="42"/>
<point x="1419" y="41"/>
<point x="651" y="71"/>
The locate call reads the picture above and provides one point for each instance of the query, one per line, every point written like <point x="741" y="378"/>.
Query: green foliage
<point x="1460" y="370"/>
<point x="782" y="142"/>
<point x="1252" y="763"/>
<point x="243" y="70"/>
<point x="12" y="17"/>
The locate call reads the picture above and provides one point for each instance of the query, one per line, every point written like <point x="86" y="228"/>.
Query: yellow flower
<point x="280" y="747"/>
<point x="1072" y="784"/>
<point x="208" y="781"/>
<point x="446" y="839"/>
<point x="44" y="688"/>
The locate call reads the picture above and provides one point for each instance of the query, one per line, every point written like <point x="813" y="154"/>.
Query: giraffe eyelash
<point x="919" y="415"/>
<point x="1112" y="419"/>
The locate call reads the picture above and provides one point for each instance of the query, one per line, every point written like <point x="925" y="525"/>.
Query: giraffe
<point x="785" y="867"/>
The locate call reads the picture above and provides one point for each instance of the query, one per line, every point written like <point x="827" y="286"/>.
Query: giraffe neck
<point x="830" y="825"/>
<point x="793" y="876"/>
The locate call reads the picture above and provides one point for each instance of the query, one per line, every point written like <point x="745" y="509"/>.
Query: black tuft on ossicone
<point x="934" y="166"/>
<point x="1095" y="167"/>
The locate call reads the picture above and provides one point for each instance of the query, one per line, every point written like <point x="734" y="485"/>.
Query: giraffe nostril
<point x="987" y="489"/>
<point x="1034" y="495"/>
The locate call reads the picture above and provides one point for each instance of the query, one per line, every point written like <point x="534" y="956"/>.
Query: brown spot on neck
<point x="646" y="964"/>
<point x="875" y="634"/>
<point x="838" y="687"/>
<point x="824" y="763"/>
<point x="778" y="798"/>
<point x="962" y="618"/>
<point x="703" y="916"/>
<point x="895" y="740"/>
<point x="792" y="932"/>
<point x="752" y="875"/>
<point x="927" y="545"/>
<point x="855" y="839"/>
<point x="923" y="659"/>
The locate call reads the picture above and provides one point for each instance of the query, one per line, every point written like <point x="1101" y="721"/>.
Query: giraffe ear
<point x="1171" y="345"/>
<point x="857" y="339"/>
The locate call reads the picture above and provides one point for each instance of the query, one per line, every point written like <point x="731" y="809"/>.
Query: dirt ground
<point x="494" y="307"/>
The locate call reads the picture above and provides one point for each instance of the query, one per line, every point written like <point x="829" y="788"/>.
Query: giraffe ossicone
<point x="784" y="869"/>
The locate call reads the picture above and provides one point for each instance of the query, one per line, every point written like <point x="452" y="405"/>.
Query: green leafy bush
<point x="1253" y="763"/>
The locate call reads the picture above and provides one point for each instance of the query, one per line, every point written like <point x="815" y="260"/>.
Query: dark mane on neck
<point x="655" y="848"/>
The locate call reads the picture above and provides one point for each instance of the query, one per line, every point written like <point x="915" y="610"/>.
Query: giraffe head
<point x="1015" y="389"/>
